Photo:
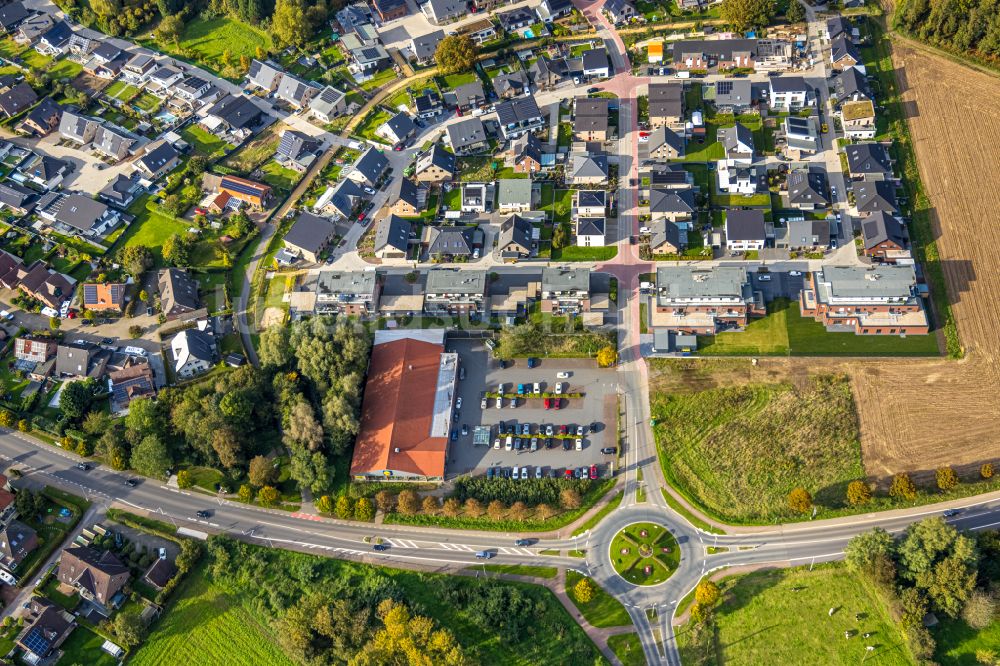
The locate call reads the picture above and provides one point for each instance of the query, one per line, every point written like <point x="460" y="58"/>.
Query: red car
<point x="361" y="217"/>
<point x="562" y="430"/>
<point x="557" y="403"/>
<point x="548" y="403"/>
<point x="569" y="474"/>
<point x="593" y="471"/>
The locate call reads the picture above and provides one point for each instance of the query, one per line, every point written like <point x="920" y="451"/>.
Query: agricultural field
<point x="782" y="617"/>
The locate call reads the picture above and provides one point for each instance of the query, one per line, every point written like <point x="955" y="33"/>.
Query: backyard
<point x="210" y="38"/>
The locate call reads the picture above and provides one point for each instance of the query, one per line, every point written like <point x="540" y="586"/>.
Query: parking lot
<point x="483" y="374"/>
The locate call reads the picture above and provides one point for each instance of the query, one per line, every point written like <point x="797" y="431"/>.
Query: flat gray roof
<point x="454" y="281"/>
<point x="886" y="281"/>
<point x="694" y="282"/>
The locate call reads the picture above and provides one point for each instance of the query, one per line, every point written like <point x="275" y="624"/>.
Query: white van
<point x="509" y="444"/>
<point x="517" y="473"/>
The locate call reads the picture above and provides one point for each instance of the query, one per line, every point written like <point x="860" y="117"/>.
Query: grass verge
<point x="601" y="611"/>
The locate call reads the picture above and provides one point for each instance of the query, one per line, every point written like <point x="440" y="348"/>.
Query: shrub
<point x="245" y="492"/>
<point x="858" y="492"/>
<point x="946" y="478"/>
<point x="268" y="496"/>
<point x="344" y="508"/>
<point x="408" y="503"/>
<point x="903" y="487"/>
<point x="979" y="610"/>
<point x="324" y="504"/>
<point x="986" y="471"/>
<point x="430" y="505"/>
<point x="800" y="500"/>
<point x="584" y="591"/>
<point x="707" y="593"/>
<point x="184" y="479"/>
<point x="364" y="510"/>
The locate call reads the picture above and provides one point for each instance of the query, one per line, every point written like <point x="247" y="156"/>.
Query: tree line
<point x="968" y="27"/>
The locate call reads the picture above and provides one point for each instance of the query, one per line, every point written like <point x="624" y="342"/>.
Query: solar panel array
<point x="36" y="642"/>
<point x="242" y="188"/>
<point x="723" y="87"/>
<point x="89" y="294"/>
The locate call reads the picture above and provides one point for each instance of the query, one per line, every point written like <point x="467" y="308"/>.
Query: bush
<point x="325" y="504"/>
<point x="946" y="478"/>
<point x="986" y="471"/>
<point x="184" y="479"/>
<point x="979" y="610"/>
<point x="583" y="591"/>
<point x="800" y="500"/>
<point x="858" y="492"/>
<point x="903" y="487"/>
<point x="532" y="493"/>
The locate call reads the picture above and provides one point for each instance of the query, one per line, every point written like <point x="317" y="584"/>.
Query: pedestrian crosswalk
<point x="456" y="547"/>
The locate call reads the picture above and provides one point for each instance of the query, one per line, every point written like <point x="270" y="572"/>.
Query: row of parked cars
<point x="524" y="473"/>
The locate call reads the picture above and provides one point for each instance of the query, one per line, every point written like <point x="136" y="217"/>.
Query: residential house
<point x="788" y="93"/>
<point x="868" y="300"/>
<point x="590" y="231"/>
<point x="138" y="68"/>
<point x="15" y="197"/>
<point x="591" y="120"/>
<point x="453" y="243"/>
<point x="874" y="196"/>
<point x="801" y="136"/>
<point x="550" y="10"/>
<point x="704" y="301"/>
<point x="103" y="296"/>
<point x="192" y="88"/>
<point x="666" y="105"/>
<point x="34" y="349"/>
<point x="468" y="136"/>
<point x="75" y="213"/>
<point x="547" y="74"/>
<point x="121" y="191"/>
<point x="296" y="151"/>
<point x="17" y="540"/>
<point x="33" y="27"/>
<point x="295" y="91"/>
<point x="435" y="166"/>
<point x="735" y="174"/>
<point x="11" y="16"/>
<point x="428" y="105"/>
<point x="477" y="197"/>
<point x="858" y="119"/>
<point x="178" y="293"/>
<point x="479" y="31"/>
<point x="512" y="85"/>
<point x="667" y="237"/>
<point x="565" y="290"/>
<point x="589" y="203"/>
<point x="514" y="195"/>
<point x="264" y="75"/>
<point x="516" y="19"/>
<point x="354" y="16"/>
<point x="596" y="64"/>
<point x="885" y="237"/>
<point x="408" y="198"/>
<point x="515" y="239"/>
<point x="134" y="380"/>
<point x="844" y="54"/>
<point x="838" y="26"/>
<point x="392" y="238"/>
<point x="619" y="11"/>
<point x="97" y="575"/>
<point x="114" y="142"/>
<point x="519" y="116"/>
<point x="467" y="96"/>
<point x="256" y="195"/>
<point x="163" y="79"/>
<point x="745" y="230"/>
<point x="369" y="168"/>
<point x="758" y="55"/>
<point x="397" y="130"/>
<point x="665" y="144"/>
<point x="851" y="86"/>
<point x="75" y="359"/>
<point x="367" y="59"/>
<point x="234" y="113"/>
<point x="83" y="42"/>
<point x="44" y="172"/>
<point x="47" y="626"/>
<point x="424" y="47"/>
<point x="588" y="168"/>
<point x="868" y="161"/>
<point x="525" y="154"/>
<point x="440" y="12"/>
<point x="55" y="41"/>
<point x="455" y="292"/>
<point x="41" y="282"/>
<point x="77" y="128"/>
<point x="672" y="205"/>
<point x="390" y="10"/>
<point x="159" y="159"/>
<point x="354" y="294"/>
<point x="734" y="96"/>
<point x="328" y="104"/>
<point x="16" y="99"/>
<point x="807" y="189"/>
<point x="43" y="119"/>
<point x="340" y="201"/>
<point x="808" y="235"/>
<point x="194" y="352"/>
<point x="160" y="573"/>
<point x="309" y="236"/>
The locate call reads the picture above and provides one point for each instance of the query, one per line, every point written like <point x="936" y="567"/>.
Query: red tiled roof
<point x="398" y="409"/>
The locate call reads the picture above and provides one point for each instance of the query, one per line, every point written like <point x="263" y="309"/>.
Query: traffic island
<point x="645" y="553"/>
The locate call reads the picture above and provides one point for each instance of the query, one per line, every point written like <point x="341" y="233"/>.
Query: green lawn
<point x="601" y="611"/>
<point x="762" y="200"/>
<point x="203" y="141"/>
<point x="209" y="626"/>
<point x="366" y="130"/>
<point x="957" y="643"/>
<point x="521" y="570"/>
<point x="574" y="253"/>
<point x="767" y="335"/>
<point x="460" y="79"/>
<point x="782" y="617"/>
<point x="152" y="228"/>
<point x="382" y="78"/>
<point x="209" y="38"/>
<point x="65" y="69"/>
<point x="558" y="202"/>
<point x="453" y="199"/>
<point x="628" y="649"/>
<point x="120" y="90"/>
<point x="708" y="150"/>
<point x="84" y="647"/>
<point x="737" y="451"/>
<point x="279" y="177"/>
<point x="147" y="102"/>
<point x="645" y="554"/>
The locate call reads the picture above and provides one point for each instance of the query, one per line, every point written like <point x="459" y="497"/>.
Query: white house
<point x="590" y="231"/>
<point x="788" y="93"/>
<point x="194" y="352"/>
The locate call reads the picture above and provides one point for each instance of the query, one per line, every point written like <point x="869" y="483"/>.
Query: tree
<point x="171" y="28"/>
<point x="743" y="15"/>
<point x="858" y="492"/>
<point x="861" y="551"/>
<point x="473" y="507"/>
<point x="76" y="399"/>
<point x="452" y="507"/>
<point x="707" y="593"/>
<point x="246" y="492"/>
<point x="95" y="423"/>
<point x="561" y="236"/>
<point x="454" y="54"/>
<point x="273" y="349"/>
<point x="54" y="323"/>
<point x="430" y="505"/>
<point x="913" y="607"/>
<point x="128" y="628"/>
<point x="544" y="511"/>
<point x="950" y="584"/>
<point x="184" y="479"/>
<point x="7" y="418"/>
<point x="177" y="250"/>
<point x="134" y="331"/>
<point x="946" y="478"/>
<point x="324" y="504"/>
<point x="903" y="487"/>
<point x="800" y="500"/>
<point x="151" y="457"/>
<point x="344" y="508"/>
<point x="136" y="258"/>
<point x="364" y="510"/>
<point x="569" y="498"/>
<point x="289" y="23"/>
<point x="408" y="503"/>
<point x="28" y="503"/>
<point x="584" y="590"/>
<point x="385" y="501"/>
<point x="24" y="425"/>
<point x="143" y="295"/>
<point x="302" y="426"/>
<point x="519" y="510"/>
<point x="795" y="12"/>
<point x="980" y="609"/>
<point x="986" y="471"/>
<point x="607" y="357"/>
<point x="268" y="496"/>
<point x="261" y="472"/>
<point x="496" y="510"/>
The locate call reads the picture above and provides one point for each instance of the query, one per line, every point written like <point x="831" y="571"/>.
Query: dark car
<point x="202" y="514"/>
<point x="523" y="542"/>
<point x="380" y="547"/>
<point x="131" y="483"/>
<point x="454" y="435"/>
<point x="84" y="466"/>
<point x="594" y="426"/>
<point x="532" y="362"/>
<point x="566" y="445"/>
<point x="609" y="450"/>
<point x="950" y="513"/>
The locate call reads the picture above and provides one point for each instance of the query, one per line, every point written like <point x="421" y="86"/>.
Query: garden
<point x="209" y="41"/>
<point x="645" y="553"/>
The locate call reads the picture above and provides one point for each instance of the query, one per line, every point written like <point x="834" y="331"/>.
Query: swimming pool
<point x="166" y="117"/>
<point x="529" y="33"/>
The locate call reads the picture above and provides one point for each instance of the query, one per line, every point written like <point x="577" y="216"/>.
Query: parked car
<point x="609" y="450"/>
<point x="562" y="375"/>
<point x="496" y="443"/>
<point x="593" y="472"/>
<point x="482" y="405"/>
<point x="580" y="431"/>
<point x="548" y="403"/>
<point x="465" y="429"/>
<point x="548" y="430"/>
<point x="84" y="466"/>
<point x="566" y="445"/>
<point x="538" y="388"/>
<point x="532" y="362"/>
<point x="454" y="435"/>
<point x="559" y="387"/>
<point x="499" y="403"/>
<point x="517" y="476"/>
<point x="458" y="403"/>
<point x="579" y="444"/>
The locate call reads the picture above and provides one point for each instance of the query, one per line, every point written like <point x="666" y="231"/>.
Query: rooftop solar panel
<point x="36" y="642"/>
<point x="724" y="87"/>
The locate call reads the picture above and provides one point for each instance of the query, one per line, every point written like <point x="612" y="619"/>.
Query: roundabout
<point x="644" y="553"/>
